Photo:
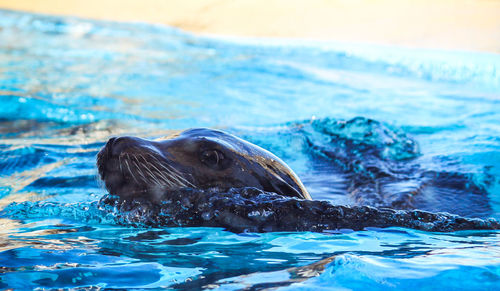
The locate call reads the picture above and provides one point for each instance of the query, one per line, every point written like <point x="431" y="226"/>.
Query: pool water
<point x="68" y="84"/>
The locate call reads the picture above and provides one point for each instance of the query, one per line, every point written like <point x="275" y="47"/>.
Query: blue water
<point x="68" y="84"/>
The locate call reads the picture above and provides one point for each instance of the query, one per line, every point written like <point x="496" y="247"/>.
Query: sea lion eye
<point x="212" y="158"/>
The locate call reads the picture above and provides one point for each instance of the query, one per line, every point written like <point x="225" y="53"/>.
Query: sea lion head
<point x="198" y="158"/>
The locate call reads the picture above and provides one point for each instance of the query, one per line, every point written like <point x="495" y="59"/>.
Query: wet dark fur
<point x="253" y="210"/>
<point x="382" y="169"/>
<point x="205" y="177"/>
<point x="197" y="158"/>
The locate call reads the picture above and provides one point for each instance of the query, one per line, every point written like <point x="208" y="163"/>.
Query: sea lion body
<point x="214" y="179"/>
<point x="198" y="158"/>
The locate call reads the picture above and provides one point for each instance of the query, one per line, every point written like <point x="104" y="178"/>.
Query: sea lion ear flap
<point x="283" y="188"/>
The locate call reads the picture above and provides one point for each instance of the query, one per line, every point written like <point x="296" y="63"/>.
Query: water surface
<point x="68" y="84"/>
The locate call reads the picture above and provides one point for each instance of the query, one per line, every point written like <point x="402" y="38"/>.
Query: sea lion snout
<point x="123" y="144"/>
<point x="108" y="157"/>
<point x="131" y="167"/>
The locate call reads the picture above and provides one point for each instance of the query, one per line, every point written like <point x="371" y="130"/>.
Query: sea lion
<point x="197" y="158"/>
<point x="214" y="179"/>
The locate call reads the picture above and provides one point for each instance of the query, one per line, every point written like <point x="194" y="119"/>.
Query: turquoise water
<point x="67" y="85"/>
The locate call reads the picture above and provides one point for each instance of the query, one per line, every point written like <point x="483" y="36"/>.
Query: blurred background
<point x="442" y="24"/>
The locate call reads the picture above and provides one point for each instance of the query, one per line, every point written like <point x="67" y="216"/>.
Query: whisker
<point x="130" y="171"/>
<point x="120" y="162"/>
<point x="173" y="172"/>
<point x="139" y="171"/>
<point x="179" y="179"/>
<point x="160" y="173"/>
<point x="148" y="172"/>
<point x="145" y="173"/>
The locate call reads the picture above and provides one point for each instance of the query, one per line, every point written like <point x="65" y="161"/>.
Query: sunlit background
<point x="444" y="24"/>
